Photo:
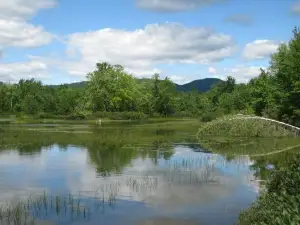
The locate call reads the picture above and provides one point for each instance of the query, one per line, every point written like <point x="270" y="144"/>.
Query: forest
<point x="111" y="92"/>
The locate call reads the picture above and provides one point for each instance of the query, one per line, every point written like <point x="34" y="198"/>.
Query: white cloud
<point x="242" y="73"/>
<point x="15" y="31"/>
<point x="140" y="50"/>
<point x="179" y="79"/>
<point x="174" y="5"/>
<point x="296" y="8"/>
<point x="260" y="49"/>
<point x="13" y="72"/>
<point x="240" y="19"/>
<point x="18" y="33"/>
<point x="23" y="8"/>
<point x="212" y="70"/>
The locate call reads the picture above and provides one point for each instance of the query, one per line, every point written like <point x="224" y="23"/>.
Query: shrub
<point x="210" y="116"/>
<point x="182" y="114"/>
<point x="279" y="204"/>
<point x="44" y="115"/>
<point x="78" y="115"/>
<point x="121" y="115"/>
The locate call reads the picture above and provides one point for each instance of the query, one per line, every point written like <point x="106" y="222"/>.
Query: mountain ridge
<point x="201" y="85"/>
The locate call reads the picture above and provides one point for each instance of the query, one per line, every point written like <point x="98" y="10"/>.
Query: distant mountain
<point x="201" y="85"/>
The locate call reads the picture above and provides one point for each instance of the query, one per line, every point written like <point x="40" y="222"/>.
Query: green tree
<point x="5" y="97"/>
<point x="111" y="89"/>
<point x="28" y="96"/>
<point x="163" y="95"/>
<point x="285" y="68"/>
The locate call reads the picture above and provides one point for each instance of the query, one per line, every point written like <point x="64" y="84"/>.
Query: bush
<point x="280" y="203"/>
<point x="183" y="114"/>
<point x="44" y="115"/>
<point x="210" y="116"/>
<point x="121" y="115"/>
<point x="78" y="115"/>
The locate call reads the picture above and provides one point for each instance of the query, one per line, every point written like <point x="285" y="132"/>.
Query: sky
<point x="60" y="41"/>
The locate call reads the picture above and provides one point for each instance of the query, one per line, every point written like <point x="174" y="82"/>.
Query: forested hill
<point x="201" y="85"/>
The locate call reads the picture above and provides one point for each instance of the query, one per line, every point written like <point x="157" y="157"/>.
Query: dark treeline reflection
<point x="109" y="149"/>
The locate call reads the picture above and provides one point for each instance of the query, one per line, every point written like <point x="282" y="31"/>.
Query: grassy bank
<point x="233" y="126"/>
<point x="90" y="119"/>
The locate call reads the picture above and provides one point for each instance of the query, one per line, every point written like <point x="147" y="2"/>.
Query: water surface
<point x="133" y="174"/>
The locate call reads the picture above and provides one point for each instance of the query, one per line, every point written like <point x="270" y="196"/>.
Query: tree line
<point x="275" y="93"/>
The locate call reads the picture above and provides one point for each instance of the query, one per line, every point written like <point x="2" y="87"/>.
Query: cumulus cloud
<point x="18" y="33"/>
<point x="140" y="50"/>
<point x="179" y="79"/>
<point x="239" y="19"/>
<point x="15" y="31"/>
<point x="296" y="8"/>
<point x="242" y="73"/>
<point x="174" y="5"/>
<point x="23" y="8"/>
<point x="13" y="72"/>
<point x="212" y="70"/>
<point x="260" y="49"/>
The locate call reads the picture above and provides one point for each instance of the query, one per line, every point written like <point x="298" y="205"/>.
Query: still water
<point x="138" y="175"/>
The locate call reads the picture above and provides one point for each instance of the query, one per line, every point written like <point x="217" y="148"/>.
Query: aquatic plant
<point x="245" y="126"/>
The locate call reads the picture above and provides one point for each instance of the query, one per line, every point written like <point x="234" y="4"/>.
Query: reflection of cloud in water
<point x="188" y="178"/>
<point x="210" y="181"/>
<point x="18" y="174"/>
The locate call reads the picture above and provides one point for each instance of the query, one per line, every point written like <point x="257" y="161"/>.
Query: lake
<point x="131" y="173"/>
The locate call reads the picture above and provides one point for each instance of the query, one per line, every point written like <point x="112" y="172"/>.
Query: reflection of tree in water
<point x="110" y="157"/>
<point x="109" y="150"/>
<point x="159" y="152"/>
<point x="197" y="147"/>
<point x="227" y="145"/>
<point x="262" y="166"/>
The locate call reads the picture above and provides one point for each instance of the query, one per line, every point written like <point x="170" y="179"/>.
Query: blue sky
<point x="60" y="41"/>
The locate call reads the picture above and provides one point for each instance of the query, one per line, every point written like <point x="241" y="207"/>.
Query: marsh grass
<point x="43" y="207"/>
<point x="231" y="126"/>
<point x="71" y="207"/>
<point x="141" y="183"/>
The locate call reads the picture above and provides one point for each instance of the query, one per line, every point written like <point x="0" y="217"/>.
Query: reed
<point x="27" y="212"/>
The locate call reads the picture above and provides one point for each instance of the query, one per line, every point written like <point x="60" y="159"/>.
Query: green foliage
<point x="121" y="115"/>
<point x="280" y="203"/>
<point x="111" y="89"/>
<point x="78" y="115"/>
<point x="233" y="126"/>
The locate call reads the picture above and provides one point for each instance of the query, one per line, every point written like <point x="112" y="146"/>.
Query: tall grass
<point x="41" y="207"/>
<point x="235" y="127"/>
